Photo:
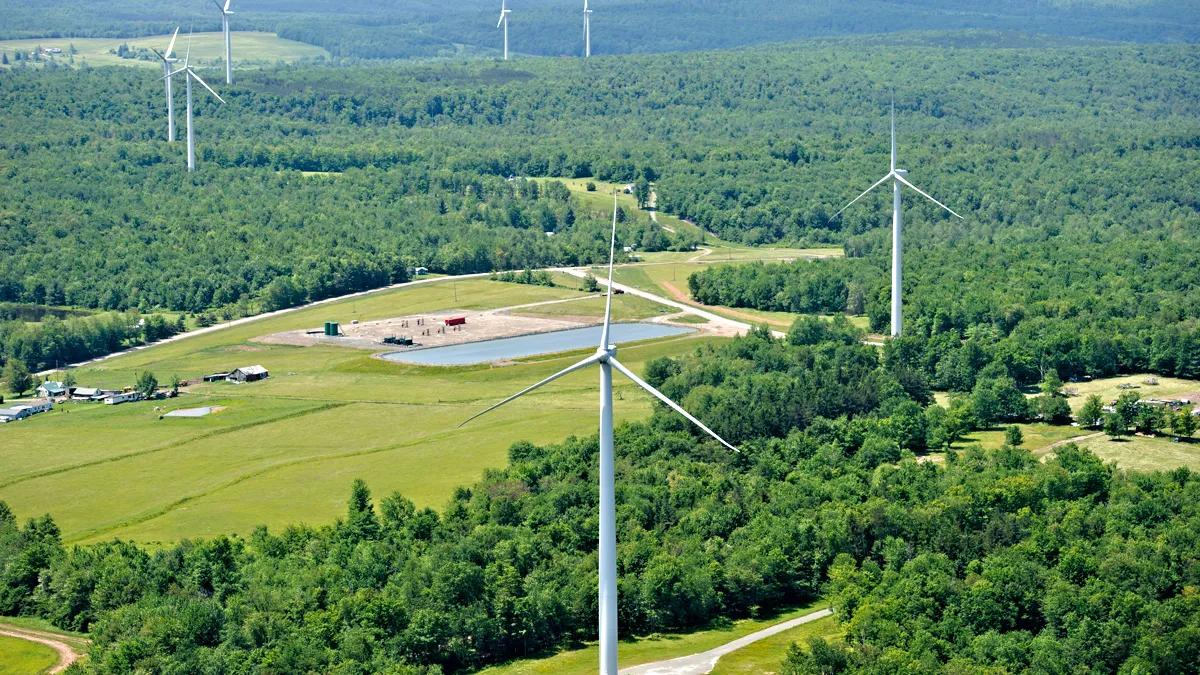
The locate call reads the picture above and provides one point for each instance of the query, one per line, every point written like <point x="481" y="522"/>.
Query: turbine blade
<point x="205" y="85"/>
<point x="226" y="6"/>
<point x="175" y="73"/>
<point x="926" y="195"/>
<point x="663" y="397"/>
<point x="612" y="252"/>
<point x="159" y="54"/>
<point x="218" y="4"/>
<point x="501" y="20"/>
<point x="171" y="47"/>
<point x="591" y="360"/>
<point x="864" y="194"/>
<point x="188" y="54"/>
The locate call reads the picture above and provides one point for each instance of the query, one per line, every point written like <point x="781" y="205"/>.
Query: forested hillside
<point x="994" y="561"/>
<point x="1065" y="160"/>
<point x="396" y="29"/>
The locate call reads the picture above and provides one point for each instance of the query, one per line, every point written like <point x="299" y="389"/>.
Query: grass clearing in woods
<point x="249" y="49"/>
<point x="648" y="649"/>
<point x="286" y="449"/>
<point x="23" y="657"/>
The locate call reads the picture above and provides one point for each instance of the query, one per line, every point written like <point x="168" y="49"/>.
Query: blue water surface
<point x="532" y="345"/>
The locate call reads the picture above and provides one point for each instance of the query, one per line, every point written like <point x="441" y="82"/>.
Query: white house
<point x="86" y="394"/>
<point x="122" y="397"/>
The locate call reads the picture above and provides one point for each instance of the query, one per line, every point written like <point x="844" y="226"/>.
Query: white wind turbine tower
<point x="504" y="12"/>
<point x="188" y="76"/>
<point x="587" y="30"/>
<point x="167" y="60"/>
<point x="606" y="358"/>
<point x="225" y="14"/>
<point x="898" y="179"/>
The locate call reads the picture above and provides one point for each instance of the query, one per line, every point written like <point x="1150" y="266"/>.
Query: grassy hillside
<point x="249" y="49"/>
<point x="282" y="451"/>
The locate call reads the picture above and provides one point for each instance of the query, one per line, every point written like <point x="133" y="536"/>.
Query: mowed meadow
<point x="249" y="49"/>
<point x="285" y="450"/>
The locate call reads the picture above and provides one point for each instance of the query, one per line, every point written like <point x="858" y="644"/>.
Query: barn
<point x="248" y="374"/>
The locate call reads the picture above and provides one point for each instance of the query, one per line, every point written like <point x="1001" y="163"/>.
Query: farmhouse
<point x="51" y="390"/>
<point x="420" y="271"/>
<point x="86" y="394"/>
<point x="248" y="374"/>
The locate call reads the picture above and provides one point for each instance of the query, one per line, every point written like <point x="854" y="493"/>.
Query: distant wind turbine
<point x="225" y="14"/>
<point x="897" y="176"/>
<point x="587" y="30"/>
<point x="168" y="58"/>
<point x="188" y="76"/>
<point x="606" y="358"/>
<point x="504" y="12"/>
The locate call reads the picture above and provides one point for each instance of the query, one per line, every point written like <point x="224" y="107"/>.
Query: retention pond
<point x="532" y="345"/>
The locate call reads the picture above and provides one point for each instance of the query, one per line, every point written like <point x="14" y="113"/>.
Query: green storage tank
<point x="334" y="328"/>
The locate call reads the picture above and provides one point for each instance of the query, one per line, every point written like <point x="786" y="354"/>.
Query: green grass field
<point x="624" y="308"/>
<point x="1135" y="453"/>
<point x="1109" y="388"/>
<point x="656" y="647"/>
<point x="249" y="49"/>
<point x="79" y="641"/>
<point x="22" y="657"/>
<point x="285" y="450"/>
<point x="766" y="655"/>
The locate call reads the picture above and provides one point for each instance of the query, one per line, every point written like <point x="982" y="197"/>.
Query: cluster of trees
<point x="56" y="342"/>
<point x="994" y="559"/>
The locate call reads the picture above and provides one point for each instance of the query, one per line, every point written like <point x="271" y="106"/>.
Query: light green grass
<point x="657" y="647"/>
<point x="688" y="318"/>
<point x="1034" y="436"/>
<point x="1109" y="388"/>
<point x="624" y="308"/>
<point x="286" y="449"/>
<point x="77" y="640"/>
<point x="22" y="657"/>
<point x="766" y="655"/>
<point x="1135" y="453"/>
<point x="249" y="49"/>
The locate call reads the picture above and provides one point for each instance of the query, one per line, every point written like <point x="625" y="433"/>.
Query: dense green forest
<point x="397" y="29"/>
<point x="995" y="560"/>
<point x="1055" y="155"/>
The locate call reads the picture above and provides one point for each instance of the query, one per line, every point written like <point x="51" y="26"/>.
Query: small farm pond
<point x="532" y="345"/>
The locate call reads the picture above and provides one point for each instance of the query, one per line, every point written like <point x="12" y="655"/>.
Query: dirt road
<point x="704" y="662"/>
<point x="66" y="653"/>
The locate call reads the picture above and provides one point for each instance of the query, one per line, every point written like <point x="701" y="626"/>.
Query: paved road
<point x="66" y="653"/>
<point x="704" y="662"/>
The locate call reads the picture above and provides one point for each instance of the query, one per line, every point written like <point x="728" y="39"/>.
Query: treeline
<point x="56" y="342"/>
<point x="1028" y="311"/>
<point x="416" y="28"/>
<point x="998" y="547"/>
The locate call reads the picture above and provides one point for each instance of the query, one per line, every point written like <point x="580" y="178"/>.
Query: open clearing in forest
<point x="23" y="657"/>
<point x="651" y="648"/>
<point x="1139" y="453"/>
<point x="249" y="49"/>
<point x="285" y="450"/>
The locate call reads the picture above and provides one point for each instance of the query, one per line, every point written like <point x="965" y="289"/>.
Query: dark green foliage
<point x="941" y="565"/>
<point x="146" y="383"/>
<point x="17" y="376"/>
<point x="1013" y="436"/>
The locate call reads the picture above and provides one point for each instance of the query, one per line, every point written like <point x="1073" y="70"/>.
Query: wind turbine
<point x="587" y="30"/>
<point x="606" y="358"/>
<point x="225" y="14"/>
<point x="189" y="75"/>
<point x="504" y="12"/>
<point x="167" y="60"/>
<point x="898" y="178"/>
